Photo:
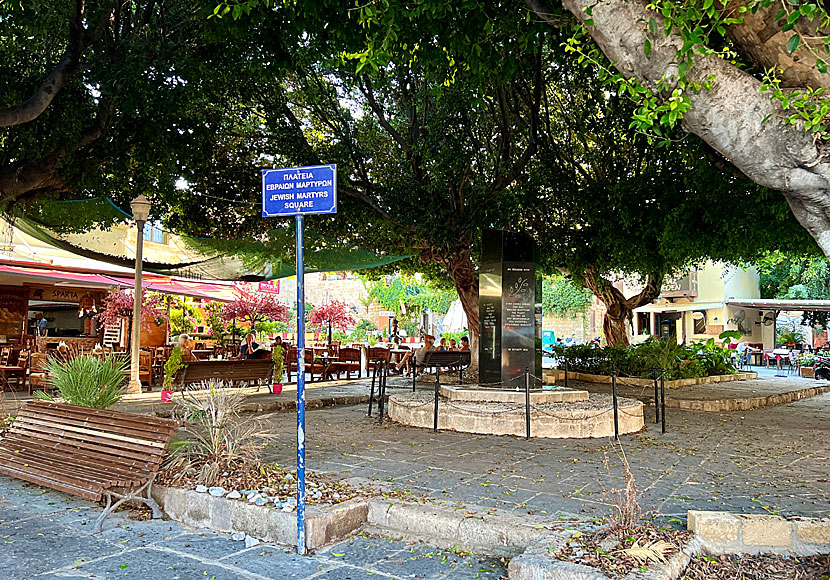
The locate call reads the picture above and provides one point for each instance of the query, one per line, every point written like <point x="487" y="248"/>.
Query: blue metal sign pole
<point x="296" y="191"/>
<point x="300" y="389"/>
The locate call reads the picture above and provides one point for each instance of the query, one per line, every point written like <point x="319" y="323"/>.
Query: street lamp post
<point x="141" y="211"/>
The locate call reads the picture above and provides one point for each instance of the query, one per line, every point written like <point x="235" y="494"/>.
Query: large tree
<point x="615" y="206"/>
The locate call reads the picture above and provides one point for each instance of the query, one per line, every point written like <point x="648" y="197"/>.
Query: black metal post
<point x="663" y="400"/>
<point x="614" y="398"/>
<point x="527" y="403"/>
<point x="566" y="373"/>
<point x="656" y="400"/>
<point x="382" y="389"/>
<point x="435" y="407"/>
<point x="372" y="389"/>
<point x="413" y="364"/>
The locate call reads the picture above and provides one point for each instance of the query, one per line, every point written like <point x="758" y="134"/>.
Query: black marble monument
<point x="510" y="309"/>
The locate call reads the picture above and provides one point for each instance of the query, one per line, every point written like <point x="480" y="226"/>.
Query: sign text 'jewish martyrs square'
<point x="299" y="190"/>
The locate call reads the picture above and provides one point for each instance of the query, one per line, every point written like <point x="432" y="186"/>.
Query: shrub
<point x="218" y="438"/>
<point x="677" y="361"/>
<point x="87" y="381"/>
<point x="171" y="366"/>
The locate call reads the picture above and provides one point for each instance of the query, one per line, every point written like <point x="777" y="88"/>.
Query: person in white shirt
<point x="429" y="345"/>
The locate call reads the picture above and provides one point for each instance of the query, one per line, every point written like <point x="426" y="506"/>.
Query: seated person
<point x="442" y="345"/>
<point x="249" y="348"/>
<point x="453" y="344"/>
<point x="184" y="346"/>
<point x="429" y="345"/>
<point x="465" y="343"/>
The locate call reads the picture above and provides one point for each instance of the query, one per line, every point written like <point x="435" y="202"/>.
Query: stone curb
<point x="745" y="403"/>
<point x="201" y="510"/>
<point x="165" y="409"/>
<point x="559" y="375"/>
<point x="728" y="533"/>
<point x="538" y="563"/>
<point x="492" y="531"/>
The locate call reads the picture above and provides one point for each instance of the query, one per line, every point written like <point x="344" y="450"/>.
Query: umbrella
<point x="455" y="320"/>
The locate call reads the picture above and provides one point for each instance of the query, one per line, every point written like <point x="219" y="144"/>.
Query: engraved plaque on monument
<point x="510" y="301"/>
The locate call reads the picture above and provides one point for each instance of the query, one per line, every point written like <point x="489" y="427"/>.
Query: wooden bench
<point x="86" y="452"/>
<point x="233" y="371"/>
<point x="452" y="359"/>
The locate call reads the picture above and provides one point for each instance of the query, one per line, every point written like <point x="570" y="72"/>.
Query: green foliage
<point x="678" y="361"/>
<point x="406" y="294"/>
<point x="278" y="358"/>
<point x="172" y="366"/>
<point x="184" y="317"/>
<point x="87" y="381"/>
<point x="797" y="277"/>
<point x="361" y="330"/>
<point x="562" y="297"/>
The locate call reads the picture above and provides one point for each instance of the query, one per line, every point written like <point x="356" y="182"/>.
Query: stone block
<point x="718" y="527"/>
<point x="766" y="530"/>
<point x="338" y="521"/>
<point x="814" y="532"/>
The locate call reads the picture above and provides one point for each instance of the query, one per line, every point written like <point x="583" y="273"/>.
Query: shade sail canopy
<point x="683" y="307"/>
<point x="266" y="257"/>
<point x="783" y="304"/>
<point x="27" y="273"/>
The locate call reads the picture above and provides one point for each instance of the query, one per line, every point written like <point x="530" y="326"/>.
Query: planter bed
<point x="551" y="376"/>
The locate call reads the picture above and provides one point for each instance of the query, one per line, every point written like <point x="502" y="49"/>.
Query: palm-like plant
<point x="86" y="381"/>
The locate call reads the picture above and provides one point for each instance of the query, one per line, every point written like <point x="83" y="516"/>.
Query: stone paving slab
<point x="46" y="534"/>
<point x="775" y="459"/>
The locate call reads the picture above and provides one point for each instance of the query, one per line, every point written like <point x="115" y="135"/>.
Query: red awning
<point x="23" y="273"/>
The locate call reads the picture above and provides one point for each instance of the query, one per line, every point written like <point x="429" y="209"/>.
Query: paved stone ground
<point x="46" y="534"/>
<point x="775" y="459"/>
<point x="766" y="384"/>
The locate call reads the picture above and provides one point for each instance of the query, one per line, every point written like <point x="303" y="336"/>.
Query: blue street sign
<point x="299" y="191"/>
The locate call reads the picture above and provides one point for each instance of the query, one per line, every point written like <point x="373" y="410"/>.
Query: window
<point x="153" y="233"/>
<point x="699" y="317"/>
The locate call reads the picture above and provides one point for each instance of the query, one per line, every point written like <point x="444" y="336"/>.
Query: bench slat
<point x="54" y="484"/>
<point x="56" y="469"/>
<point x="94" y="432"/>
<point x="51" y="446"/>
<point x="56" y="472"/>
<point x="119" y="426"/>
<point x="111" y="453"/>
<point x="110" y="445"/>
<point x="27" y="449"/>
<point x="152" y="439"/>
<point x="103" y="413"/>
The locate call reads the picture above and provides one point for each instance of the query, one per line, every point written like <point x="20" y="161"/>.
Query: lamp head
<point x="141" y="208"/>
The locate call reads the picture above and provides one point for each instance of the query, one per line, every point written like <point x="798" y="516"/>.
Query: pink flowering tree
<point x="335" y="314"/>
<point x="253" y="308"/>
<point x="119" y="304"/>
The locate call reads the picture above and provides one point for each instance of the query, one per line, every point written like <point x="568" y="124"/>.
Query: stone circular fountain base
<point x="576" y="419"/>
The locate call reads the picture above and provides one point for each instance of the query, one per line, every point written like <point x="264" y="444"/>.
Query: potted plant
<point x="806" y="364"/>
<point x="171" y="367"/>
<point x="278" y="361"/>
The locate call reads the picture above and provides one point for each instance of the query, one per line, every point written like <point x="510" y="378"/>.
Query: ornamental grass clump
<point x="86" y="381"/>
<point x="218" y="439"/>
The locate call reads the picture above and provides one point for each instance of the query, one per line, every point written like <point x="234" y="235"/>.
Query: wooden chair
<point x="87" y="452"/>
<point x="17" y="371"/>
<point x="145" y="368"/>
<point x="311" y="367"/>
<point x="38" y="377"/>
<point x="348" y="362"/>
<point x="376" y="355"/>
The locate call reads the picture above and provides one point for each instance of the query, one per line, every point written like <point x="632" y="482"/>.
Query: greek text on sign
<point x="299" y="190"/>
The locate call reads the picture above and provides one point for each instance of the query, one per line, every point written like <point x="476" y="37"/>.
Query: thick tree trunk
<point x="619" y="309"/>
<point x="734" y="118"/>
<point x="462" y="272"/>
